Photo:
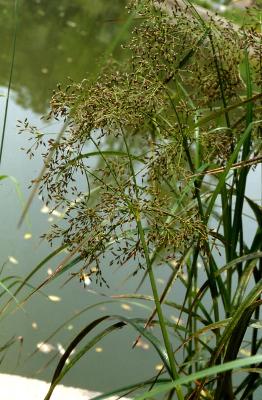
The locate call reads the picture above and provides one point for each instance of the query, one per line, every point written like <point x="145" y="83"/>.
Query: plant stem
<point x="158" y="307"/>
<point x="161" y="319"/>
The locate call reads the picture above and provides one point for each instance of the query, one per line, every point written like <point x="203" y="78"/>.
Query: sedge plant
<point x="152" y="166"/>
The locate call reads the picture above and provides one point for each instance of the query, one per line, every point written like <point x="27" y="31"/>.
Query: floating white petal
<point x="45" y="347"/>
<point x="61" y="349"/>
<point x="45" y="209"/>
<point x="13" y="260"/>
<point x="126" y="307"/>
<point x="99" y="349"/>
<point x="143" y="345"/>
<point x="54" y="298"/>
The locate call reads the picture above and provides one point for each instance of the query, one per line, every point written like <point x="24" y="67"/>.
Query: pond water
<point x="57" y="40"/>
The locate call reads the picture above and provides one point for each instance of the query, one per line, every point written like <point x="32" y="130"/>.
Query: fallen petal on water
<point x="13" y="260"/>
<point x="27" y="236"/>
<point x="60" y="349"/>
<point x="143" y="345"/>
<point x="54" y="298"/>
<point x="98" y="349"/>
<point x="45" y="209"/>
<point x="34" y="325"/>
<point x="126" y="307"/>
<point x="45" y="347"/>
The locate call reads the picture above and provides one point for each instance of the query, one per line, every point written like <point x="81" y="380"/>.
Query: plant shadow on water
<point x="149" y="175"/>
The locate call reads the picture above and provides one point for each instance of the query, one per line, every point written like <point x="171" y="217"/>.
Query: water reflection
<point x="55" y="40"/>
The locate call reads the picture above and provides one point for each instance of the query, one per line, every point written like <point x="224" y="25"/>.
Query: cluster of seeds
<point x="178" y="68"/>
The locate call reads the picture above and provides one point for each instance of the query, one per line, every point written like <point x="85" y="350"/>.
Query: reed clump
<point x="175" y="130"/>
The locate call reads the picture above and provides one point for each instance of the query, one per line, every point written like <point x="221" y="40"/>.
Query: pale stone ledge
<point x="14" y="387"/>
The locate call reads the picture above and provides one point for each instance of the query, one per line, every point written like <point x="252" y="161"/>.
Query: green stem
<point x="10" y="80"/>
<point x="162" y="324"/>
<point x="158" y="308"/>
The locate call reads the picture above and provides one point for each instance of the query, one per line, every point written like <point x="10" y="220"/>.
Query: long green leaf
<point x="247" y="302"/>
<point x="257" y="210"/>
<point x="224" y="385"/>
<point x="223" y="176"/>
<point x="166" y="387"/>
<point x="233" y="263"/>
<point x="61" y="370"/>
<point x="7" y="290"/>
